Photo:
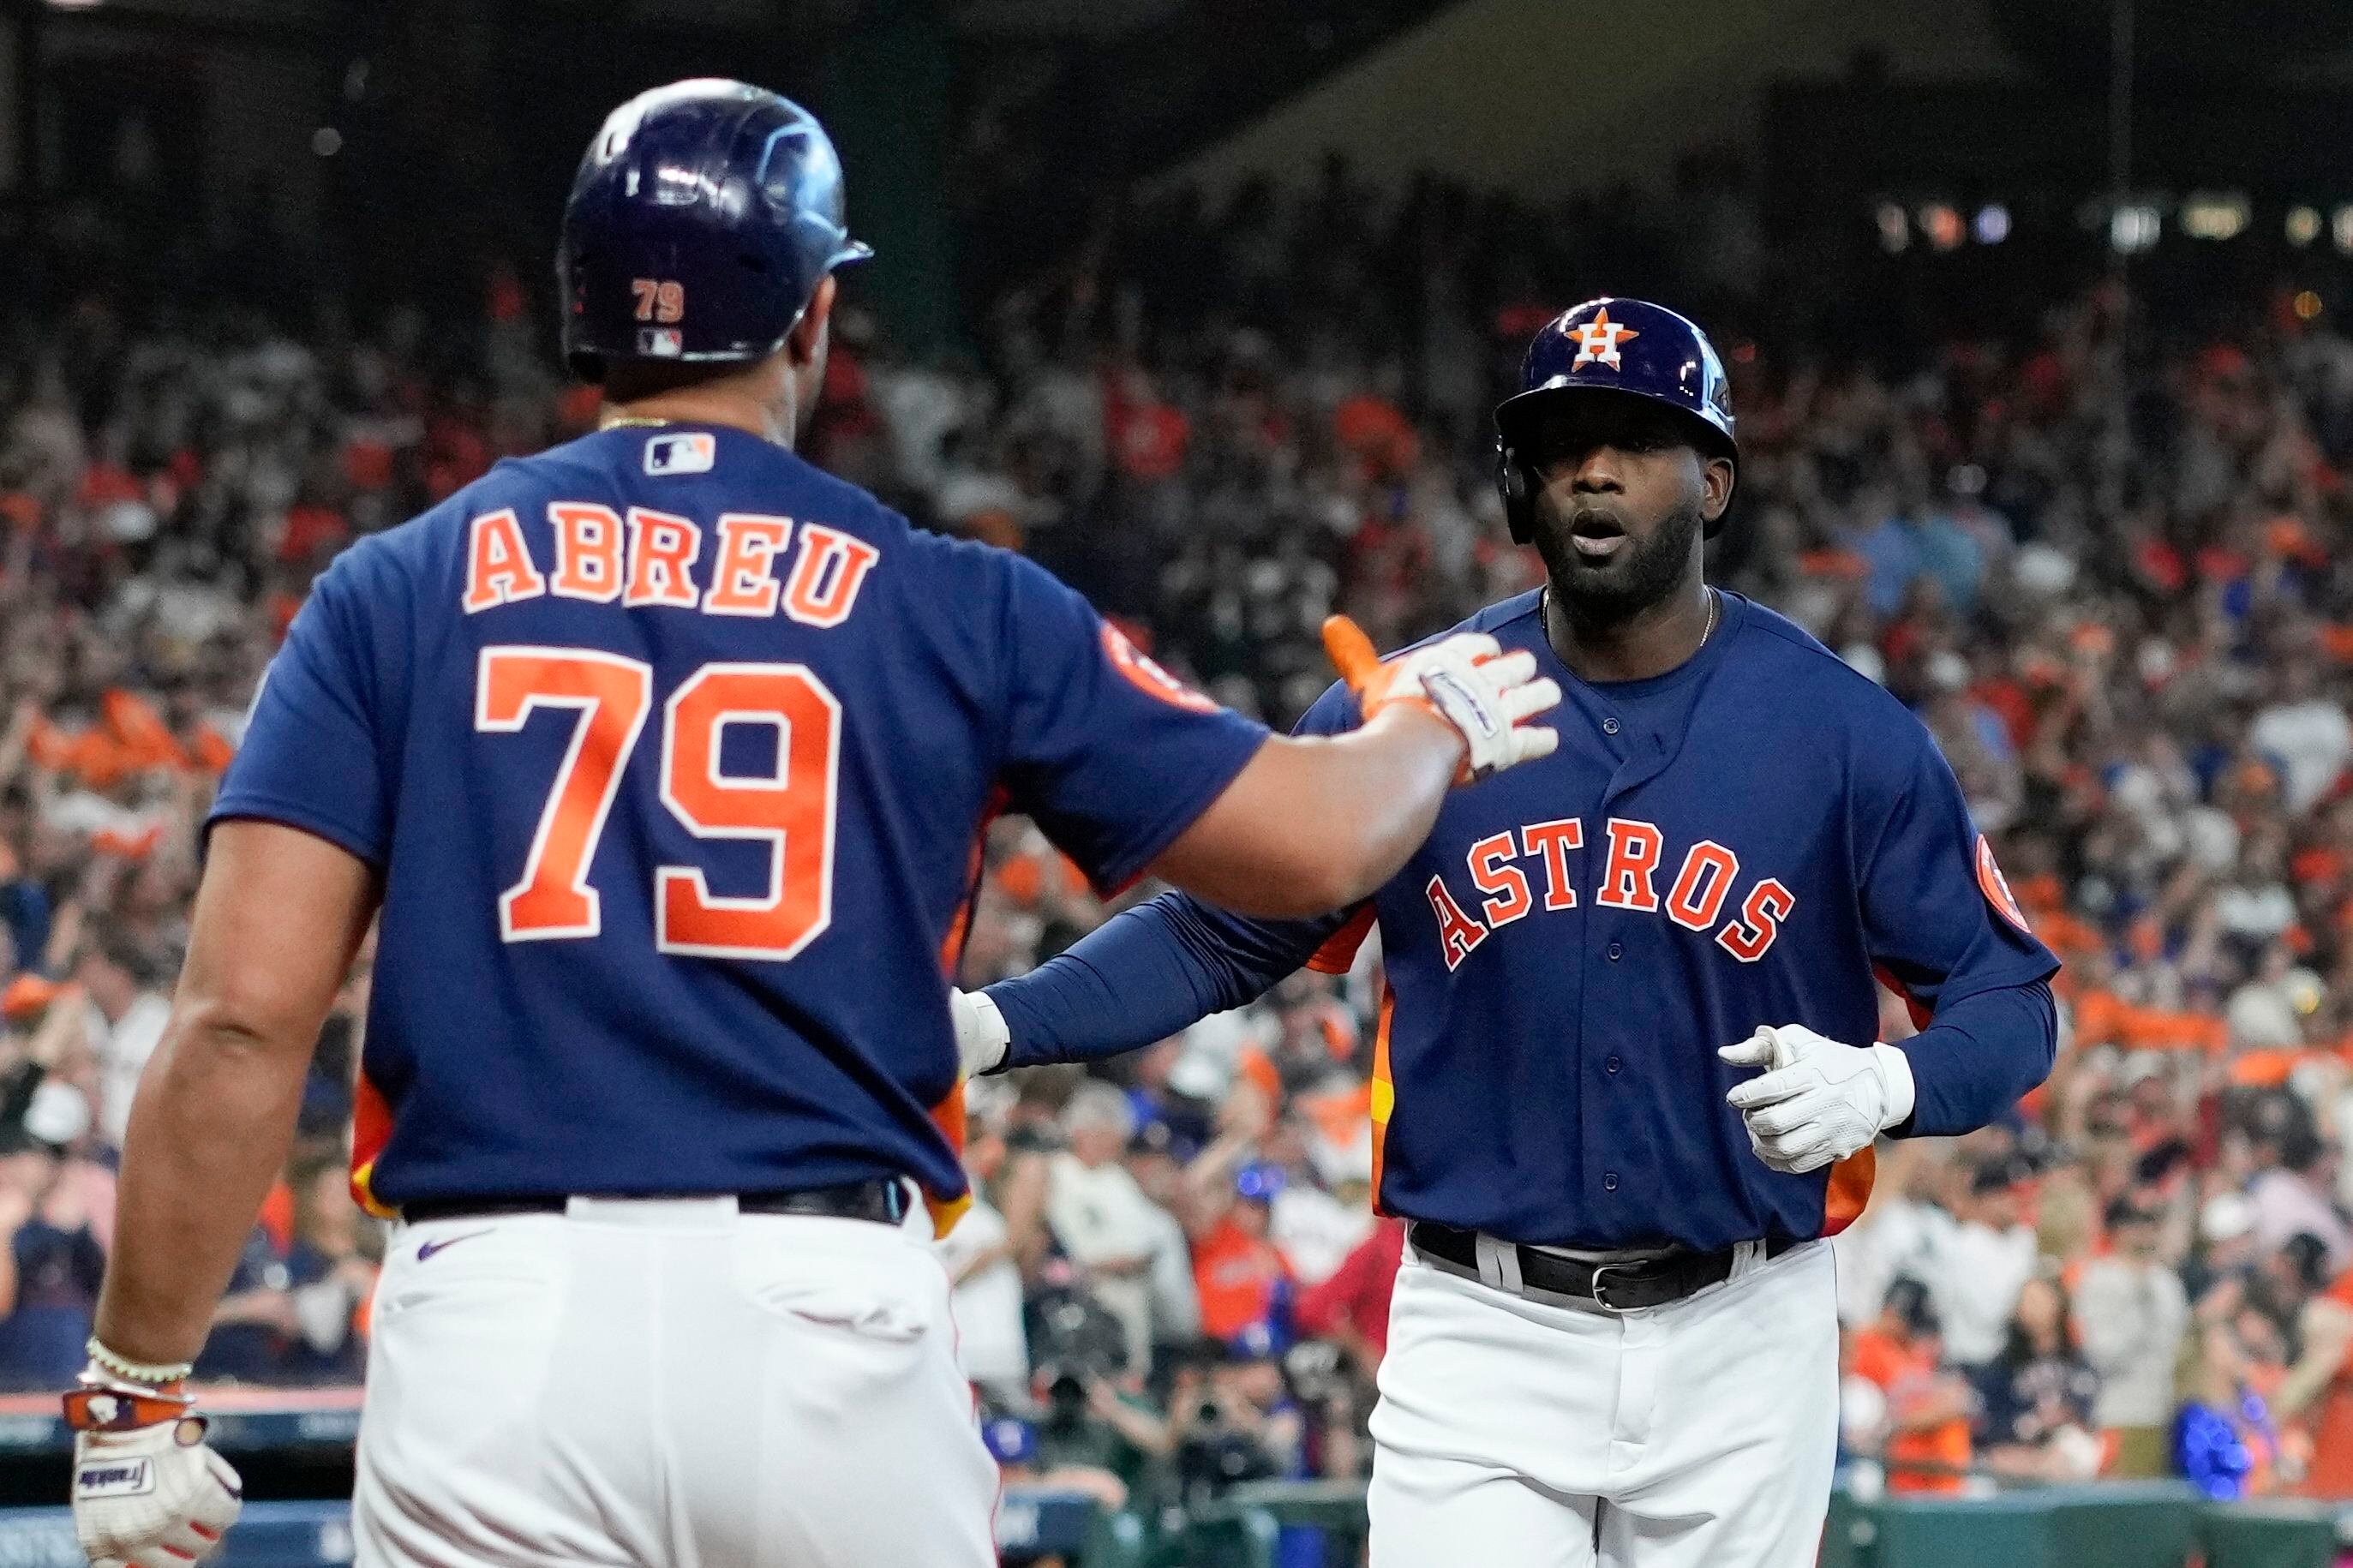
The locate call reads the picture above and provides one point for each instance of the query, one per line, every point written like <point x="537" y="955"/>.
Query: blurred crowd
<point x="2104" y="557"/>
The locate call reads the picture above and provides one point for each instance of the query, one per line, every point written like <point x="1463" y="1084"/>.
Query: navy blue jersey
<point x="1761" y="835"/>
<point x="672" y="751"/>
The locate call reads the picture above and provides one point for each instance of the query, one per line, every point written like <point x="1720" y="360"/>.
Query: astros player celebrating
<point x="1626" y="1079"/>
<point x="662" y="755"/>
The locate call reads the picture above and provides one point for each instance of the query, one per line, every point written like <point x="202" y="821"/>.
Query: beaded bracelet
<point x="155" y="1376"/>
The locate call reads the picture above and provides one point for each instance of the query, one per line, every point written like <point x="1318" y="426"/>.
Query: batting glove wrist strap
<point x="147" y="1489"/>
<point x="1895" y="1070"/>
<point x="103" y="1404"/>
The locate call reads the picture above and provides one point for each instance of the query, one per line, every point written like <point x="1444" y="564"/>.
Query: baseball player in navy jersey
<point x="659" y="758"/>
<point x="1627" y="1079"/>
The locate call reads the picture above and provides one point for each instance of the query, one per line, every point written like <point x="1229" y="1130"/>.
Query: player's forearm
<point x="1141" y="977"/>
<point x="1316" y="824"/>
<point x="1978" y="1057"/>
<point x="209" y="1131"/>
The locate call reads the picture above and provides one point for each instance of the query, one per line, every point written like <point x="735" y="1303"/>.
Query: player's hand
<point x="1466" y="679"/>
<point x="1820" y="1101"/>
<point x="147" y="1490"/>
<point x="982" y="1039"/>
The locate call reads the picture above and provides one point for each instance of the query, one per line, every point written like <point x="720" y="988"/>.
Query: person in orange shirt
<point x="1241" y="1277"/>
<point x="1926" y="1426"/>
<point x="2319" y="1388"/>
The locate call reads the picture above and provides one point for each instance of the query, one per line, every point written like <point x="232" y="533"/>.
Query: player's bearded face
<point x="1620" y="508"/>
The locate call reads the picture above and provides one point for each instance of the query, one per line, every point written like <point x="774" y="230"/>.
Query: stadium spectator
<point x="53" y="1261"/>
<point x="128" y="1008"/>
<point x="2035" y="1399"/>
<point x="1175" y="1291"/>
<point x="1244" y="1283"/>
<point x="991" y="1345"/>
<point x="1099" y="1218"/>
<point x="2224" y="1441"/>
<point x="1103" y="1424"/>
<point x="2131" y="1311"/>
<point x="2297" y="1196"/>
<point x="1238" y="1423"/>
<point x="330" y="1276"/>
<point x="1975" y="1267"/>
<point x="1900" y="1403"/>
<point x="1352" y="1305"/>
<point x="254" y="1327"/>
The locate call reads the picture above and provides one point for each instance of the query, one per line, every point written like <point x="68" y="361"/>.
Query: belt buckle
<point x="1595" y="1285"/>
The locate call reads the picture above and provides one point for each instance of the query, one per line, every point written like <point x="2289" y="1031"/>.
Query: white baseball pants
<point x="666" y="1384"/>
<point x="1700" y="1433"/>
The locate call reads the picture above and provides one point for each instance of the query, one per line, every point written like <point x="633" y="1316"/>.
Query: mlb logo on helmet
<point x="661" y="342"/>
<point x="687" y="452"/>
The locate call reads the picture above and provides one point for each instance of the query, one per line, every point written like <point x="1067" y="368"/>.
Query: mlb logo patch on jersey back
<point x="684" y="452"/>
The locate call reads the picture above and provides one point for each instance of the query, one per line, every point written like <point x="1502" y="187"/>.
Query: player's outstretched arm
<point x="1141" y="977"/>
<point x="278" y="917"/>
<point x="1316" y="824"/>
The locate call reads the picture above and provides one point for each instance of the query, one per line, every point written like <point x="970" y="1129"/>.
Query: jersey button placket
<point x="1615" y="951"/>
<point x="1609" y="725"/>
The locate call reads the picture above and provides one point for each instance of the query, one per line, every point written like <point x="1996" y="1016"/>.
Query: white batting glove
<point x="1820" y="1100"/>
<point x="982" y="1039"/>
<point x="147" y="1490"/>
<point x="1466" y="679"/>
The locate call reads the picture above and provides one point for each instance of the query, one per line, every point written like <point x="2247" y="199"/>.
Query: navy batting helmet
<point x="700" y="222"/>
<point x="1629" y="347"/>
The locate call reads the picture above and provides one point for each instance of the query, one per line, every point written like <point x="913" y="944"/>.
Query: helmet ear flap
<point x="1512" y="485"/>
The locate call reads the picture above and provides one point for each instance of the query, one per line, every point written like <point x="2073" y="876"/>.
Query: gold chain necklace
<point x="618" y="421"/>
<point x="1715" y="603"/>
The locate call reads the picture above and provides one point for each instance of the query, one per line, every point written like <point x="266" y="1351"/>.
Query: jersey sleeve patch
<point x="1996" y="887"/>
<point x="1145" y="674"/>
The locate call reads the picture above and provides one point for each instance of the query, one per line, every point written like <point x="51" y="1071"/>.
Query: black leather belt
<point x="1618" y="1287"/>
<point x="881" y="1200"/>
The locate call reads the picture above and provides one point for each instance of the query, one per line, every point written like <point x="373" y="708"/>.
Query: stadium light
<point x="2340" y="227"/>
<point x="2133" y="226"/>
<point x="1894" y="230"/>
<point x="2303" y="226"/>
<point x="2213" y="214"/>
<point x="326" y="142"/>
<point x="2306" y="305"/>
<point x="1992" y="224"/>
<point x="1942" y="224"/>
